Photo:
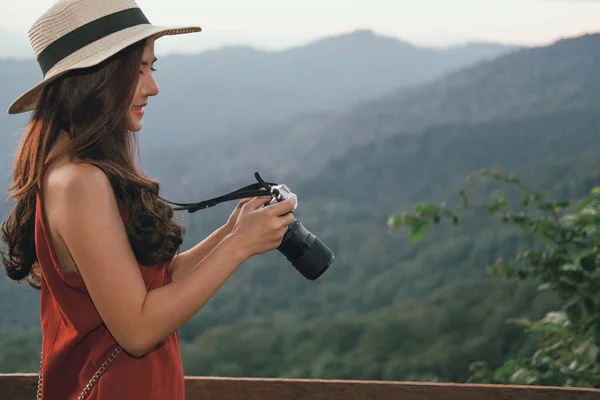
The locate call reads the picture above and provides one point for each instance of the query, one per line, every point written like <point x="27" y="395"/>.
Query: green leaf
<point x="418" y="230"/>
<point x="541" y="230"/>
<point x="498" y="205"/>
<point x="589" y="352"/>
<point x="394" y="221"/>
<point x="596" y="190"/>
<point x="542" y="328"/>
<point x="463" y="196"/>
<point x="561" y="205"/>
<point x="546" y="207"/>
<point x="544" y="286"/>
<point x="528" y="198"/>
<point x="427" y="210"/>
<point x="570" y="267"/>
<point x="585" y="202"/>
<point x="555" y="318"/>
<point x="521" y="219"/>
<point x="522" y="322"/>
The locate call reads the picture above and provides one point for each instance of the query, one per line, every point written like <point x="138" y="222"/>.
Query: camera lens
<point x="309" y="255"/>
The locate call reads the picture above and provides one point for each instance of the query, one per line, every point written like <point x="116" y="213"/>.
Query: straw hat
<point x="75" y="34"/>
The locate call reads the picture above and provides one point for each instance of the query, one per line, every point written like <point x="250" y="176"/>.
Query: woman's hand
<point x="186" y="261"/>
<point x="230" y="224"/>
<point x="260" y="229"/>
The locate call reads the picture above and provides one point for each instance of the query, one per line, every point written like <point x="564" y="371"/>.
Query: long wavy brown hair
<point x="92" y="106"/>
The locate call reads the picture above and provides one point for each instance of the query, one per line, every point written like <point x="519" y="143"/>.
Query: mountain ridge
<point x="203" y="96"/>
<point x="478" y="93"/>
<point x="364" y="34"/>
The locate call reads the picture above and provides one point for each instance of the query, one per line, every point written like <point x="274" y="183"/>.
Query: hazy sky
<point x="275" y="24"/>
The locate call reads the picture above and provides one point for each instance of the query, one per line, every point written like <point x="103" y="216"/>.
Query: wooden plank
<point x="298" y="389"/>
<point x="23" y="387"/>
<point x="18" y="386"/>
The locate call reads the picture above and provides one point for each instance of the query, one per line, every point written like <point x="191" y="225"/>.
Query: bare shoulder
<point x="75" y="197"/>
<point x="78" y="191"/>
<point x="76" y="180"/>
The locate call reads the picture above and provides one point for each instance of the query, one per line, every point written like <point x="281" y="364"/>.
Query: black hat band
<point x="88" y="34"/>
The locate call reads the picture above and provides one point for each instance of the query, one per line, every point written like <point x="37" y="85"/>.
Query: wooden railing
<point x="23" y="387"/>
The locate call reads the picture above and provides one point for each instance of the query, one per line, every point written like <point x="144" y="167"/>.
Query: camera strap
<point x="254" y="190"/>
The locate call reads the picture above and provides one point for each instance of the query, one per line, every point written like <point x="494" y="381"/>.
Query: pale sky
<point x="277" y="24"/>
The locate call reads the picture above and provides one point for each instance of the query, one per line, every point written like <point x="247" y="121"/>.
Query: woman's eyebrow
<point x="146" y="62"/>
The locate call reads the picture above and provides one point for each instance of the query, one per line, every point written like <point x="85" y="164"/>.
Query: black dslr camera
<point x="306" y="252"/>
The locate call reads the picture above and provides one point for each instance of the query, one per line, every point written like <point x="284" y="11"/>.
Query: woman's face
<point x="146" y="87"/>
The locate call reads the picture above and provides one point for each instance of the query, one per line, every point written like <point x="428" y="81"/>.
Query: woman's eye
<point x="152" y="69"/>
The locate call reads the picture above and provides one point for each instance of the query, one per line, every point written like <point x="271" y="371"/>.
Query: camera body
<point x="309" y="255"/>
<point x="282" y="193"/>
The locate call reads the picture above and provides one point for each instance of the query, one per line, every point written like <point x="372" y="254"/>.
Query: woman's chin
<point x="135" y="124"/>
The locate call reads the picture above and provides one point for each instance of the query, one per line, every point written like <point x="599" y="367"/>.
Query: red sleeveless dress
<point x="76" y="342"/>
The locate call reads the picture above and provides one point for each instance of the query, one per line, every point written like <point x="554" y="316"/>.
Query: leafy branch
<point x="567" y="262"/>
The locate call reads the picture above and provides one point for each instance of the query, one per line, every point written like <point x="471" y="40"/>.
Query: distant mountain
<point x="239" y="89"/>
<point x="555" y="78"/>
<point x="228" y="89"/>
<point x="477" y="49"/>
<point x="222" y="90"/>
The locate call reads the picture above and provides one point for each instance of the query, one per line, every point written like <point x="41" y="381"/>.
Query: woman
<point x="89" y="229"/>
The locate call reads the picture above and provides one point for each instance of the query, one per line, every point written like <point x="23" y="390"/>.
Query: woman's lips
<point x="138" y="110"/>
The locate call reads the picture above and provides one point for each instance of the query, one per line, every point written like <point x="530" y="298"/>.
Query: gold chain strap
<point x="87" y="389"/>
<point x="39" y="388"/>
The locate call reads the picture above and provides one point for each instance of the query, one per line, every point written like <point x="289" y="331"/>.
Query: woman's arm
<point x="87" y="219"/>
<point x="186" y="261"/>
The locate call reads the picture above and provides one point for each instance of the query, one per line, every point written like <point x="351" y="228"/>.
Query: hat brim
<point x="93" y="55"/>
